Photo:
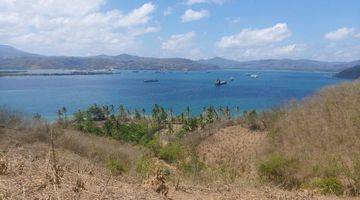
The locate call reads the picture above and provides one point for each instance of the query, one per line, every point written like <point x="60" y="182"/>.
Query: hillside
<point x="27" y="172"/>
<point x="316" y="142"/>
<point x="350" y="73"/>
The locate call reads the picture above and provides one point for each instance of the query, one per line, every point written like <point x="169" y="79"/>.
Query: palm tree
<point x="111" y="108"/>
<point x="143" y="112"/>
<point x="188" y="111"/>
<point x="59" y="114"/>
<point x="106" y="111"/>
<point x="171" y="115"/>
<point x="122" y="112"/>
<point x="64" y="110"/>
<point x="227" y="113"/>
<point x="137" y="114"/>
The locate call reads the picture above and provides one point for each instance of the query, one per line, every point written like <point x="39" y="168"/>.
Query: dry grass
<point x="100" y="149"/>
<point x="32" y="169"/>
<point x="322" y="133"/>
<point x="233" y="152"/>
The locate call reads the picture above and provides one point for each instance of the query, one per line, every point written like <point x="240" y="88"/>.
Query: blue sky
<point x="236" y="29"/>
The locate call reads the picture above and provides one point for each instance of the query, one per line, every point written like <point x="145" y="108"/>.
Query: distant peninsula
<point x="350" y="73"/>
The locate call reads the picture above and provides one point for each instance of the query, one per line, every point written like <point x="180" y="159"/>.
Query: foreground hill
<point x="316" y="142"/>
<point x="27" y="172"/>
<point x="350" y="73"/>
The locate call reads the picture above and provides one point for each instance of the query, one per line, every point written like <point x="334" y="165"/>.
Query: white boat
<point x="218" y="82"/>
<point x="254" y="76"/>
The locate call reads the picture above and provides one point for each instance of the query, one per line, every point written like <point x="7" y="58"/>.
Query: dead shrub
<point x="3" y="167"/>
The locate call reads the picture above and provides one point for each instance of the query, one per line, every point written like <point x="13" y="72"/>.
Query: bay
<point x="176" y="90"/>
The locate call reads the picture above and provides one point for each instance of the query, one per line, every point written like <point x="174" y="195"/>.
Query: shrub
<point x="251" y="120"/>
<point x="192" y="166"/>
<point x="280" y="170"/>
<point x="95" y="112"/>
<point x="329" y="186"/>
<point x="154" y="145"/>
<point x="133" y="132"/>
<point x="89" y="126"/>
<point x="115" y="166"/>
<point x="173" y="152"/>
<point x="145" y="166"/>
<point x="353" y="174"/>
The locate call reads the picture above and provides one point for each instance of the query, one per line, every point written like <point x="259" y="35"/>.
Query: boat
<point x="218" y="82"/>
<point x="254" y="76"/>
<point x="151" y="81"/>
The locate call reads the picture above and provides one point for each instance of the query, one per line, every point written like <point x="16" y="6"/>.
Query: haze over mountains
<point x="12" y="58"/>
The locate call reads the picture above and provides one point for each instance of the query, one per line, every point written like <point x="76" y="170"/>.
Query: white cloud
<point x="182" y="45"/>
<point x="357" y="36"/>
<point x="168" y="11"/>
<point x="192" y="2"/>
<point x="137" y="16"/>
<point x="340" y="34"/>
<point x="255" y="37"/>
<point x="76" y="27"/>
<point x="192" y="15"/>
<point x="338" y="52"/>
<point x="267" y="52"/>
<point x="179" y="41"/>
<point x="251" y="44"/>
<point x="344" y="45"/>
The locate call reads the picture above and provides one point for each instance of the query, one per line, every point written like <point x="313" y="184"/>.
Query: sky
<point x="326" y="30"/>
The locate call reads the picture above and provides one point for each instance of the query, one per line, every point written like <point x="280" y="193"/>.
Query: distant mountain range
<point x="16" y="59"/>
<point x="281" y="64"/>
<point x="12" y="58"/>
<point x="350" y="73"/>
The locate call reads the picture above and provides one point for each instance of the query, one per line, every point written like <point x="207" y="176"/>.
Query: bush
<point x="173" y="152"/>
<point x="154" y="145"/>
<point x="251" y="120"/>
<point x="192" y="166"/>
<point x="115" y="166"/>
<point x="280" y="170"/>
<point x="133" y="132"/>
<point x="145" y="167"/>
<point x="329" y="186"/>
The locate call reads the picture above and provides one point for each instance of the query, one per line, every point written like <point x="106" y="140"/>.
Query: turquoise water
<point x="46" y="94"/>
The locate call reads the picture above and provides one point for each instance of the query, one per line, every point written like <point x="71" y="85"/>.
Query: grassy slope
<point x="319" y="140"/>
<point x="29" y="175"/>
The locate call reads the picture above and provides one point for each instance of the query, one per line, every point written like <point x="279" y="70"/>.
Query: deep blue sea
<point x="46" y="94"/>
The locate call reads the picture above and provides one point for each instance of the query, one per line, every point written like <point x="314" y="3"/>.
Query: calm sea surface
<point x="46" y="94"/>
